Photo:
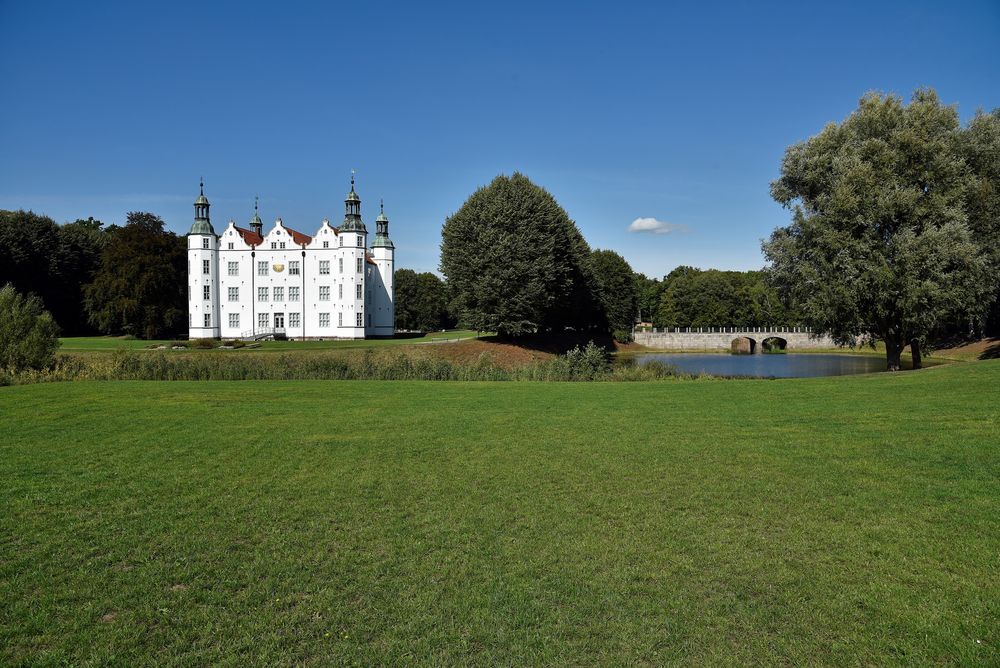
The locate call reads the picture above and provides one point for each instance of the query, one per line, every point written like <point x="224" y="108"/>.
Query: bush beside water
<point x="589" y="363"/>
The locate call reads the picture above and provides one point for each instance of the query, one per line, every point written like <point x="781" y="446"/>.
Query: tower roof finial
<point x="352" y="179"/>
<point x="201" y="184"/>
<point x="255" y="199"/>
<point x="381" y="205"/>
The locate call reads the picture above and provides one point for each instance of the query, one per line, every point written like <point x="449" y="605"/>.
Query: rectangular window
<point x="208" y="320"/>
<point x="293" y="268"/>
<point x="326" y="244"/>
<point x="234" y="268"/>
<point x="357" y="291"/>
<point x="341" y="240"/>
<point x="206" y="292"/>
<point x="360" y="269"/>
<point x="279" y="294"/>
<point x="273" y="245"/>
<point x="324" y="267"/>
<point x="324" y="319"/>
<point x="358" y="324"/>
<point x="340" y="320"/>
<point x="206" y="267"/>
<point x="204" y="242"/>
<point x="293" y="320"/>
<point x="262" y="268"/>
<point x="341" y="263"/>
<point x="359" y="241"/>
<point x="234" y="319"/>
<point x="262" y="320"/>
<point x="281" y="245"/>
<point x="262" y="294"/>
<point x="340" y="291"/>
<point x="230" y="245"/>
<point x="234" y="294"/>
<point x="324" y="293"/>
<point x="293" y="294"/>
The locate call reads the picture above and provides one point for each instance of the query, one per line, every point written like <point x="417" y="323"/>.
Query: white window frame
<point x="234" y="320"/>
<point x="293" y="320"/>
<point x="262" y="294"/>
<point x="234" y="294"/>
<point x="293" y="268"/>
<point x="324" y="293"/>
<point x="293" y="293"/>
<point x="206" y="292"/>
<point x="206" y="267"/>
<point x="324" y="320"/>
<point x="324" y="267"/>
<point x="234" y="268"/>
<point x="278" y="293"/>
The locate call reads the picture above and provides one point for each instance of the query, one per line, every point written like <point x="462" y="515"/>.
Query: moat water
<point x="803" y="365"/>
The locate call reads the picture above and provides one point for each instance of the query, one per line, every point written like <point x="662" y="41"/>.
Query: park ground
<point x="838" y="521"/>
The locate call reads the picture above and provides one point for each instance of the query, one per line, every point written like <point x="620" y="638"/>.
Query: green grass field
<point x="838" y="521"/>
<point x="103" y="344"/>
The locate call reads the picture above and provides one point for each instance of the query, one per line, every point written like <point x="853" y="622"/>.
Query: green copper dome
<point x="353" y="224"/>
<point x="202" y="226"/>
<point x="382" y="241"/>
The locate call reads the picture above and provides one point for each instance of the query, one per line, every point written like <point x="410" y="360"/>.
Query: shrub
<point x="204" y="344"/>
<point x="622" y="336"/>
<point x="28" y="334"/>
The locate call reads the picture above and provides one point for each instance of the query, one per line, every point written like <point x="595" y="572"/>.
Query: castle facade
<point x="245" y="283"/>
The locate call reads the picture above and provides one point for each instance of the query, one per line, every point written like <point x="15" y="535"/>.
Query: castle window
<point x="234" y="319"/>
<point x="262" y="268"/>
<point x="341" y="262"/>
<point x="273" y="245"/>
<point x="281" y="245"/>
<point x="326" y="244"/>
<point x="358" y="320"/>
<point x="340" y="319"/>
<point x="262" y="294"/>
<point x="206" y="267"/>
<point x="234" y="268"/>
<point x="230" y="245"/>
<point x="357" y="291"/>
<point x="360" y="270"/>
<point x="324" y="267"/>
<point x="293" y="320"/>
<point x="324" y="319"/>
<point x="324" y="293"/>
<point x="293" y="293"/>
<point x="359" y="241"/>
<point x="206" y="292"/>
<point x="234" y="294"/>
<point x="279" y="294"/>
<point x="341" y="241"/>
<point x="293" y="268"/>
<point x="208" y="320"/>
<point x="204" y="242"/>
<point x="263" y="320"/>
<point x="340" y="291"/>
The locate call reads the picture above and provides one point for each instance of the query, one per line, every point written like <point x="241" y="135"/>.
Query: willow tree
<point x="879" y="247"/>
<point x="515" y="262"/>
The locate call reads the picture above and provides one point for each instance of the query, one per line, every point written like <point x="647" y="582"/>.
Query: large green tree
<point x="711" y="298"/>
<point x="616" y="291"/>
<point x="141" y="284"/>
<point x="421" y="301"/>
<point x="879" y="246"/>
<point x="515" y="262"/>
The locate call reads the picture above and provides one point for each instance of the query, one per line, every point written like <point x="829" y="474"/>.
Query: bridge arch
<point x="773" y="342"/>
<point x="743" y="345"/>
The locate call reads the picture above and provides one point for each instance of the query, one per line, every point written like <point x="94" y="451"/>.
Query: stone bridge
<point x="735" y="339"/>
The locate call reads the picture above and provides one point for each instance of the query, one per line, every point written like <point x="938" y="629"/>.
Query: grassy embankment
<point x="848" y="520"/>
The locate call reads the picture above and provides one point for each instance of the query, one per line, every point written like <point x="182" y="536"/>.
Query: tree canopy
<point x="139" y="287"/>
<point x="616" y="290"/>
<point x="28" y="335"/>
<point x="879" y="246"/>
<point x="515" y="262"/>
<point x="421" y="301"/>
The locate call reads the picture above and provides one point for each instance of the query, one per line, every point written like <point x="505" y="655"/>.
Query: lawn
<point x="98" y="344"/>
<point x="838" y="521"/>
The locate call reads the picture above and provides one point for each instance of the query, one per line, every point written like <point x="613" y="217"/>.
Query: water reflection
<point x="765" y="366"/>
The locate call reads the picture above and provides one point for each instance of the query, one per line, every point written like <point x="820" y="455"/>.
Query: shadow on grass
<point x="992" y="352"/>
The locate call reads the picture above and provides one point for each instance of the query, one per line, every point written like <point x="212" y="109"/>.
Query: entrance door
<point x="279" y="320"/>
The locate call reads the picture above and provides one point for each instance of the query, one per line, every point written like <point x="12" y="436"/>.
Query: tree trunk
<point x="915" y="353"/>
<point x="893" y="349"/>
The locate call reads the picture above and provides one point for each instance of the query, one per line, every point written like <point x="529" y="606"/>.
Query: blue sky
<point x="674" y="112"/>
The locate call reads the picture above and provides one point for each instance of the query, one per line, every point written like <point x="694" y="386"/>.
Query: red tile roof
<point x="298" y="237"/>
<point x="249" y="237"/>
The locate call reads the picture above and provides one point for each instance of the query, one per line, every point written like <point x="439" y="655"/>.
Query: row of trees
<point x="127" y="279"/>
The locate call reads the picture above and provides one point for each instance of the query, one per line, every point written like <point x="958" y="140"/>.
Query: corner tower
<point x="203" y="273"/>
<point x="382" y="307"/>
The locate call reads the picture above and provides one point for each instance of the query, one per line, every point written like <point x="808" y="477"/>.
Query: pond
<point x="803" y="365"/>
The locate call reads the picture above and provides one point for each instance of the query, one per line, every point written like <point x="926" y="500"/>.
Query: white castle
<point x="247" y="284"/>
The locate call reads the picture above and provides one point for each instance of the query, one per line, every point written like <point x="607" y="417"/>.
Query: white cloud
<point x="654" y="226"/>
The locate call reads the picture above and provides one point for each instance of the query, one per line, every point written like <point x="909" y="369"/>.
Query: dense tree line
<point x="96" y="279"/>
<point x="421" y="301"/>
